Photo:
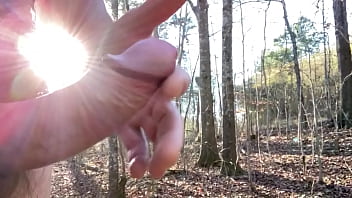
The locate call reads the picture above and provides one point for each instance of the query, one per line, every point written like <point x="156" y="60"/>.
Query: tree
<point x="114" y="4"/>
<point x="279" y="57"/>
<point x="183" y="22"/>
<point x="229" y="153"/>
<point x="327" y="65"/>
<point x="301" y="112"/>
<point x="209" y="151"/>
<point x="116" y="184"/>
<point x="344" y="60"/>
<point x="113" y="167"/>
<point x="307" y="38"/>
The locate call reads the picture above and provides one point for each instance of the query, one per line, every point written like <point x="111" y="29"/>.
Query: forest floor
<point x="277" y="171"/>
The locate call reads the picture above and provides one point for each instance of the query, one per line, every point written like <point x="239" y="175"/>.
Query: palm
<point x="150" y="60"/>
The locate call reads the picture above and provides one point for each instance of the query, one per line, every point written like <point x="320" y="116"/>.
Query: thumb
<point x="139" y="23"/>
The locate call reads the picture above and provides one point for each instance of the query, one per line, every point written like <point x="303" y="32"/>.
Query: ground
<point x="277" y="173"/>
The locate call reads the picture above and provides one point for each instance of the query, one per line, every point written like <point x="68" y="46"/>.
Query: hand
<point x="87" y="20"/>
<point x="90" y="22"/>
<point x="159" y="118"/>
<point x="139" y="23"/>
<point x="151" y="61"/>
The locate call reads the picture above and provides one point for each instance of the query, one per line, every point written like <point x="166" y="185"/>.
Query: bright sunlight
<point x="54" y="55"/>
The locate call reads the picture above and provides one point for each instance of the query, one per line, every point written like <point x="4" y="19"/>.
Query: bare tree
<point x="301" y="112"/>
<point x="326" y="65"/>
<point x="209" y="151"/>
<point x="113" y="167"/>
<point x="344" y="60"/>
<point x="266" y="89"/>
<point x="245" y="100"/>
<point x="116" y="186"/>
<point x="229" y="152"/>
<point x="126" y="5"/>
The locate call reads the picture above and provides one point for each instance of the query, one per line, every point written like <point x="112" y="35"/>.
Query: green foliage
<point x="308" y="39"/>
<point x="279" y="57"/>
<point x="307" y="36"/>
<point x="280" y="78"/>
<point x="279" y="62"/>
<point x="279" y="70"/>
<point x="184" y="21"/>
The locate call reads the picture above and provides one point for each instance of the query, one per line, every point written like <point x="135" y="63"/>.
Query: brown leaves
<point x="279" y="175"/>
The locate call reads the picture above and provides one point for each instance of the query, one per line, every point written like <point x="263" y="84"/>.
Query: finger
<point x="169" y="140"/>
<point x="139" y="23"/>
<point x="176" y="84"/>
<point x="149" y="127"/>
<point x="149" y="15"/>
<point x="137" y="150"/>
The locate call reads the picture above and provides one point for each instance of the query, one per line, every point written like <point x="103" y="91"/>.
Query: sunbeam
<point x="54" y="55"/>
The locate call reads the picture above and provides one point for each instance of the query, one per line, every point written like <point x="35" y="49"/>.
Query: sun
<point x="54" y="55"/>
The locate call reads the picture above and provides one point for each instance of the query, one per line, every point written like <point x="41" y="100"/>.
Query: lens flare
<point x="54" y="55"/>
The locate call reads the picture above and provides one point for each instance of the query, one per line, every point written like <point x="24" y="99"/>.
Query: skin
<point x="130" y="90"/>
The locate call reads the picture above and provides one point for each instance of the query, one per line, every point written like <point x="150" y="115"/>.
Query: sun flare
<point x="54" y="55"/>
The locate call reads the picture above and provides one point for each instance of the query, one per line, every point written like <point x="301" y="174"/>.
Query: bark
<point x="302" y="115"/>
<point x="115" y="8"/>
<point x="326" y="65"/>
<point x="229" y="154"/>
<point x="121" y="193"/>
<point x="126" y="5"/>
<point x="113" y="167"/>
<point x="344" y="60"/>
<point x="245" y="102"/>
<point x="183" y="30"/>
<point x="197" y="117"/>
<point x="191" y="94"/>
<point x="209" y="152"/>
<point x="116" y="184"/>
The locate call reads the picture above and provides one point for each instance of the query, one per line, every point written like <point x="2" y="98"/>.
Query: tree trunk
<point x="121" y="193"/>
<point x="344" y="60"/>
<point x="183" y="31"/>
<point x="326" y="65"/>
<point x="113" y="167"/>
<point x="229" y="153"/>
<point x="126" y="5"/>
<point x="245" y="102"/>
<point x="197" y="117"/>
<point x="302" y="115"/>
<point x="190" y="96"/>
<point x="116" y="183"/>
<point x="209" y="151"/>
<point x="115" y="8"/>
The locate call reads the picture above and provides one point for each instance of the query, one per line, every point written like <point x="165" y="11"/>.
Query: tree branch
<point x="195" y="8"/>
